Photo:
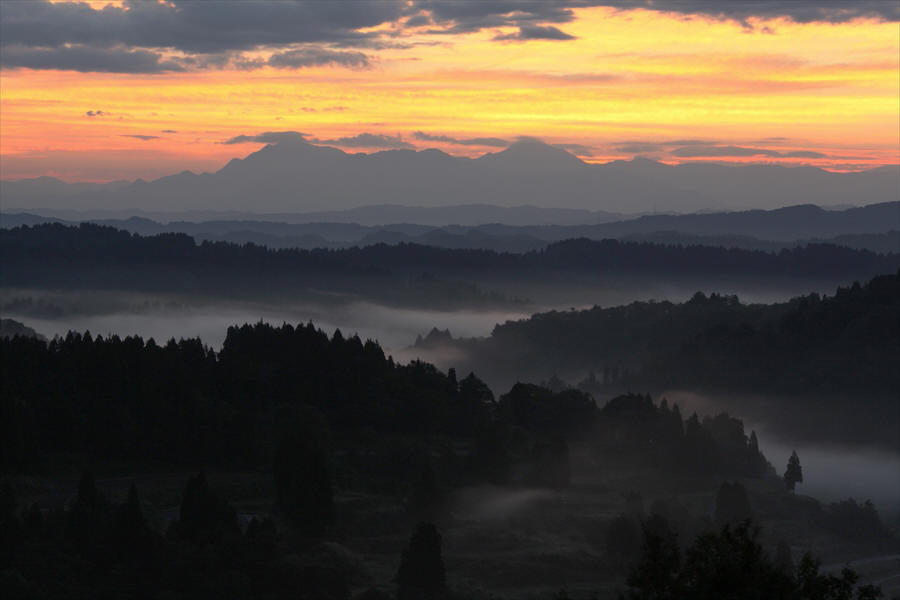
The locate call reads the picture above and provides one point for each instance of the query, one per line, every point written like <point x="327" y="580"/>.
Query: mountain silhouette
<point x="296" y="176"/>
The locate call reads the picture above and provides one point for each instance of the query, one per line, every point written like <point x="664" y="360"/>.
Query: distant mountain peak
<point x="531" y="153"/>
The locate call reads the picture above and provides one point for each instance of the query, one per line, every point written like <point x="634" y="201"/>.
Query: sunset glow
<point x="631" y="82"/>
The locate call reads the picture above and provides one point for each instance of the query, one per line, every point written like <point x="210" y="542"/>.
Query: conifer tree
<point x="794" y="473"/>
<point x="421" y="574"/>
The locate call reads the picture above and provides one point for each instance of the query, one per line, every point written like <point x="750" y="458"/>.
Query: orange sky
<point x="632" y="82"/>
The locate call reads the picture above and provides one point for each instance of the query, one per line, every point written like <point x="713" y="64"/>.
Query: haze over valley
<point x="443" y="300"/>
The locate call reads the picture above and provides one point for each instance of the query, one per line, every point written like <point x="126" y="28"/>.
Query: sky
<point x="102" y="91"/>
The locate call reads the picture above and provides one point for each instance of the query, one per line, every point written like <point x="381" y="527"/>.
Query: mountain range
<point x="295" y="176"/>
<point x="875" y="227"/>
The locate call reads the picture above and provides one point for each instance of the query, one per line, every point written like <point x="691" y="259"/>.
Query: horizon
<point x="167" y="87"/>
<point x="634" y="159"/>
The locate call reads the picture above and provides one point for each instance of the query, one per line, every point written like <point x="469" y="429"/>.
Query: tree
<point x="421" y="574"/>
<point x="134" y="538"/>
<point x="732" y="564"/>
<point x="203" y="518"/>
<point x="794" y="473"/>
<point x="84" y="518"/>
<point x="655" y="575"/>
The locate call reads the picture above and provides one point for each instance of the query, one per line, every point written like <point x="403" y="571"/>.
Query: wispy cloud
<point x="476" y="141"/>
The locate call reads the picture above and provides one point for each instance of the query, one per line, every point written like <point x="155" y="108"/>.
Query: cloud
<point x="641" y="146"/>
<point x="96" y="113"/>
<point x="144" y="138"/>
<point x="367" y="140"/>
<point x="638" y="148"/>
<point x="535" y="32"/>
<point x="157" y="37"/>
<point x="82" y="58"/>
<point x="314" y="57"/>
<point x="446" y="139"/>
<point x="466" y="16"/>
<point x="324" y="109"/>
<point x="195" y="27"/>
<point x="268" y="137"/>
<point x="689" y="143"/>
<point x="154" y="37"/>
<point x="168" y="131"/>
<point x="579" y="149"/>
<point x="803" y="154"/>
<point x="738" y="151"/>
<point x="799" y="11"/>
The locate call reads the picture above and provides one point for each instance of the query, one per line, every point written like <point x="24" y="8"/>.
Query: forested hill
<point x="95" y="256"/>
<point x="845" y="343"/>
<point x="183" y="403"/>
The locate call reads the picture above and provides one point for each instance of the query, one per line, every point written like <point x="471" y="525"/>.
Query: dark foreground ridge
<point x="321" y="423"/>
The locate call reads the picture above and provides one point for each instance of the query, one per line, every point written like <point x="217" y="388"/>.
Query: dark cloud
<point x="696" y="151"/>
<point x="641" y="146"/>
<point x="138" y="36"/>
<point x="464" y="16"/>
<point x="82" y="58"/>
<point x="535" y="32"/>
<point x="195" y="26"/>
<point x="314" y="57"/>
<point x="446" y="139"/>
<point x="800" y="11"/>
<point x="367" y="140"/>
<point x="419" y="21"/>
<point x="154" y="37"/>
<point x="802" y="154"/>
<point x="168" y="131"/>
<point x="96" y="113"/>
<point x="144" y="138"/>
<point x="268" y="137"/>
<point x="736" y="151"/>
<point x="638" y="148"/>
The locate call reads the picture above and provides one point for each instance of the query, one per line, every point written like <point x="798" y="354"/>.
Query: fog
<point x="166" y="317"/>
<point x="488" y="502"/>
<point x="831" y="471"/>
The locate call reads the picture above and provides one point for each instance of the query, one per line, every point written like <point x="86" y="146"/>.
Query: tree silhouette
<point x="203" y="517"/>
<point x="794" y="473"/>
<point x="732" y="564"/>
<point x="654" y="577"/>
<point x="85" y="515"/>
<point x="421" y="574"/>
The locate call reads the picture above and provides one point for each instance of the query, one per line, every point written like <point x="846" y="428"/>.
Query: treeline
<point x="320" y="413"/>
<point x="848" y="342"/>
<point x="379" y="422"/>
<point x="102" y="257"/>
